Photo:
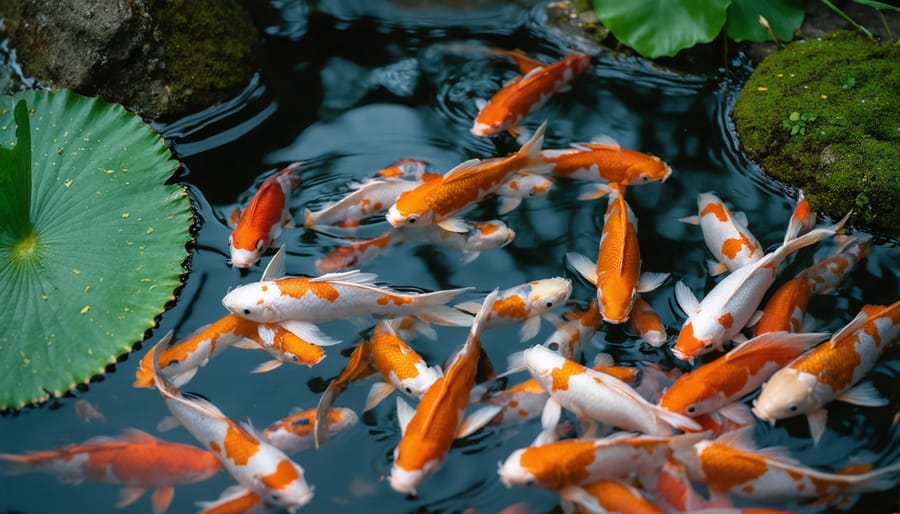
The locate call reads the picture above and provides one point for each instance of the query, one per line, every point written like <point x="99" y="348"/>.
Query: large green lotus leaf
<point x="101" y="254"/>
<point x="784" y="16"/>
<point x="657" y="28"/>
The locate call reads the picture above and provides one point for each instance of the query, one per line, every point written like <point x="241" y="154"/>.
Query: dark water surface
<point x="351" y="87"/>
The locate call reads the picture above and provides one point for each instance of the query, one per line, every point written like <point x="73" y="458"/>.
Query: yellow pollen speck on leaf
<point x="68" y="183"/>
<point x="824" y="97"/>
<point x="76" y="271"/>
<point x="125" y="215"/>
<point x="150" y="230"/>
<point x="780" y="75"/>
<point x="85" y="309"/>
<point x="762" y="88"/>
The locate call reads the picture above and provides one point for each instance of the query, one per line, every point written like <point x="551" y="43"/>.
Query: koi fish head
<point x="788" y="393"/>
<point x="256" y="301"/>
<point x="406" y="211"/>
<point x="286" y="487"/>
<point x="548" y="294"/>
<point x="246" y="248"/>
<point x="492" y="120"/>
<point x="417" y="385"/>
<point x="651" y="169"/>
<point x="616" y="303"/>
<point x="688" y="398"/>
<point x="406" y="480"/>
<point x="512" y="473"/>
<point x="688" y="346"/>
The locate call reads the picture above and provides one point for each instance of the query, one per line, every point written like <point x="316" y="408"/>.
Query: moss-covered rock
<point x="823" y="115"/>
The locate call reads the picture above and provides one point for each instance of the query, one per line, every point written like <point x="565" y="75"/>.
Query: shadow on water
<point x="408" y="91"/>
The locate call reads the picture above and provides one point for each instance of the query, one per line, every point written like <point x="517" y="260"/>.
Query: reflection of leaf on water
<point x="92" y="239"/>
<point x="345" y="83"/>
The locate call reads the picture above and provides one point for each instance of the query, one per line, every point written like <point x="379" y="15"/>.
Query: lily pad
<point x="783" y="16"/>
<point x="92" y="239"/>
<point x="657" y="28"/>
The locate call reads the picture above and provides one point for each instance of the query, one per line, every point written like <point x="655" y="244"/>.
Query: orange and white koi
<point x="407" y="169"/>
<point x="597" y="396"/>
<point x="617" y="272"/>
<point x="255" y="464"/>
<point x="732" y="464"/>
<point x="646" y="324"/>
<point x="525" y="304"/>
<point x="717" y="385"/>
<point x="574" y="332"/>
<point x="726" y="235"/>
<point x="831" y="370"/>
<point x="526" y="94"/>
<point x="357" y="252"/>
<point x="429" y="431"/>
<point x="727" y="308"/>
<point x="522" y="186"/>
<point x="584" y="461"/>
<point x="260" y="223"/>
<point x="179" y="361"/>
<point x="367" y="199"/>
<point x="402" y="367"/>
<point x="135" y="460"/>
<point x="237" y="500"/>
<point x="803" y="219"/>
<point x="606" y="496"/>
<point x="516" y="404"/>
<point x="606" y="162"/>
<point x="284" y="345"/>
<point x="299" y="302"/>
<point x="524" y="63"/>
<point x="437" y="201"/>
<point x="480" y="236"/>
<point x="295" y="433"/>
<point x="786" y="308"/>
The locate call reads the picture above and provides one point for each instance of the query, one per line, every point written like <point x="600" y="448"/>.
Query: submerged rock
<point x="161" y="58"/>
<point x="822" y="115"/>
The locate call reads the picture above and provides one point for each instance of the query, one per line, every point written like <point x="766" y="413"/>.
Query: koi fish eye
<point x="408" y="390"/>
<point x="412" y="219"/>
<point x="230" y="241"/>
<point x="691" y="409"/>
<point x="645" y="178"/>
<point x="793" y="407"/>
<point x="247" y="312"/>
<point x="708" y="346"/>
<point x="554" y="346"/>
<point x="549" y="304"/>
<point x="530" y="482"/>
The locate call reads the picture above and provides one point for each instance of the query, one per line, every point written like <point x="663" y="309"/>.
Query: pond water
<point x="350" y="87"/>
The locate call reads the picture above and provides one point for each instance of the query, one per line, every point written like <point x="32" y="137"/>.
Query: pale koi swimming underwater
<point x="537" y="330"/>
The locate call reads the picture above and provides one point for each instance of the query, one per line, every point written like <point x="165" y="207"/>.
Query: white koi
<point x="726" y="235"/>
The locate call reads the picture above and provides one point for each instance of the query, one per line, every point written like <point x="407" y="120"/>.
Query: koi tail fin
<point x="810" y="238"/>
<point x="432" y="308"/>
<point x="19" y="464"/>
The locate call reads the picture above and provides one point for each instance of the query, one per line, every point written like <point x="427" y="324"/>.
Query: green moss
<point x="211" y="46"/>
<point x="848" y="156"/>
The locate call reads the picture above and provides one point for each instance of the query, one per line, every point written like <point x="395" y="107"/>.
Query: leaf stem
<point x="844" y="15"/>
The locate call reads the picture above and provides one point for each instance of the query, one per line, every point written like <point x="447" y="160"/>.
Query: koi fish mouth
<point x="682" y="356"/>
<point x="762" y="414"/>
<point x="481" y="130"/>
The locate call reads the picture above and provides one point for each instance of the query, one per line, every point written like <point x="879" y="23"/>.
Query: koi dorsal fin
<point x="463" y="167"/>
<point x="352" y="276"/>
<point x="275" y="268"/>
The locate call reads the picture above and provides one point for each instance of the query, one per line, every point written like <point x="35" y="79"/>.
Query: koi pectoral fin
<point x="161" y="499"/>
<point x="378" y="392"/>
<point x="816" y="420"/>
<point x="478" y="420"/>
<point x="129" y="495"/>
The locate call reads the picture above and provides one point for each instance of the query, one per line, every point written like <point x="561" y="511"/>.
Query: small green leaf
<point x="657" y="28"/>
<point x="795" y="130"/>
<point x="783" y="16"/>
<point x="795" y="116"/>
<point x="87" y="277"/>
<point x="877" y="5"/>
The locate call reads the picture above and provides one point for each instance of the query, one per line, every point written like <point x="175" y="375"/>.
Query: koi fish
<point x="726" y="235"/>
<point x="367" y="199"/>
<point x="284" y="345"/>
<point x="479" y="237"/>
<point x="255" y="464"/>
<point x="606" y="162"/>
<point x="295" y="433"/>
<point x="357" y="252"/>
<point x="406" y="169"/>
<point x="521" y="186"/>
<point x="717" y="385"/>
<point x="728" y="307"/>
<point x="437" y="201"/>
<point x="524" y="304"/>
<point x="584" y="461"/>
<point x="617" y="272"/>
<point x="237" y="500"/>
<point x="646" y="324"/>
<point x="260" y="223"/>
<point x="300" y="302"/>
<point x="526" y="94"/>
<point x="517" y="404"/>
<point x="607" y="496"/>
<point x="429" y="430"/>
<point x="179" y="361"/>
<point x="574" y="332"/>
<point x="136" y="460"/>
<point x="596" y="396"/>
<point x="732" y="464"/>
<point x="831" y="370"/>
<point x="803" y="219"/>
<point x="522" y="61"/>
<point x="402" y="368"/>
<point x="786" y="308"/>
